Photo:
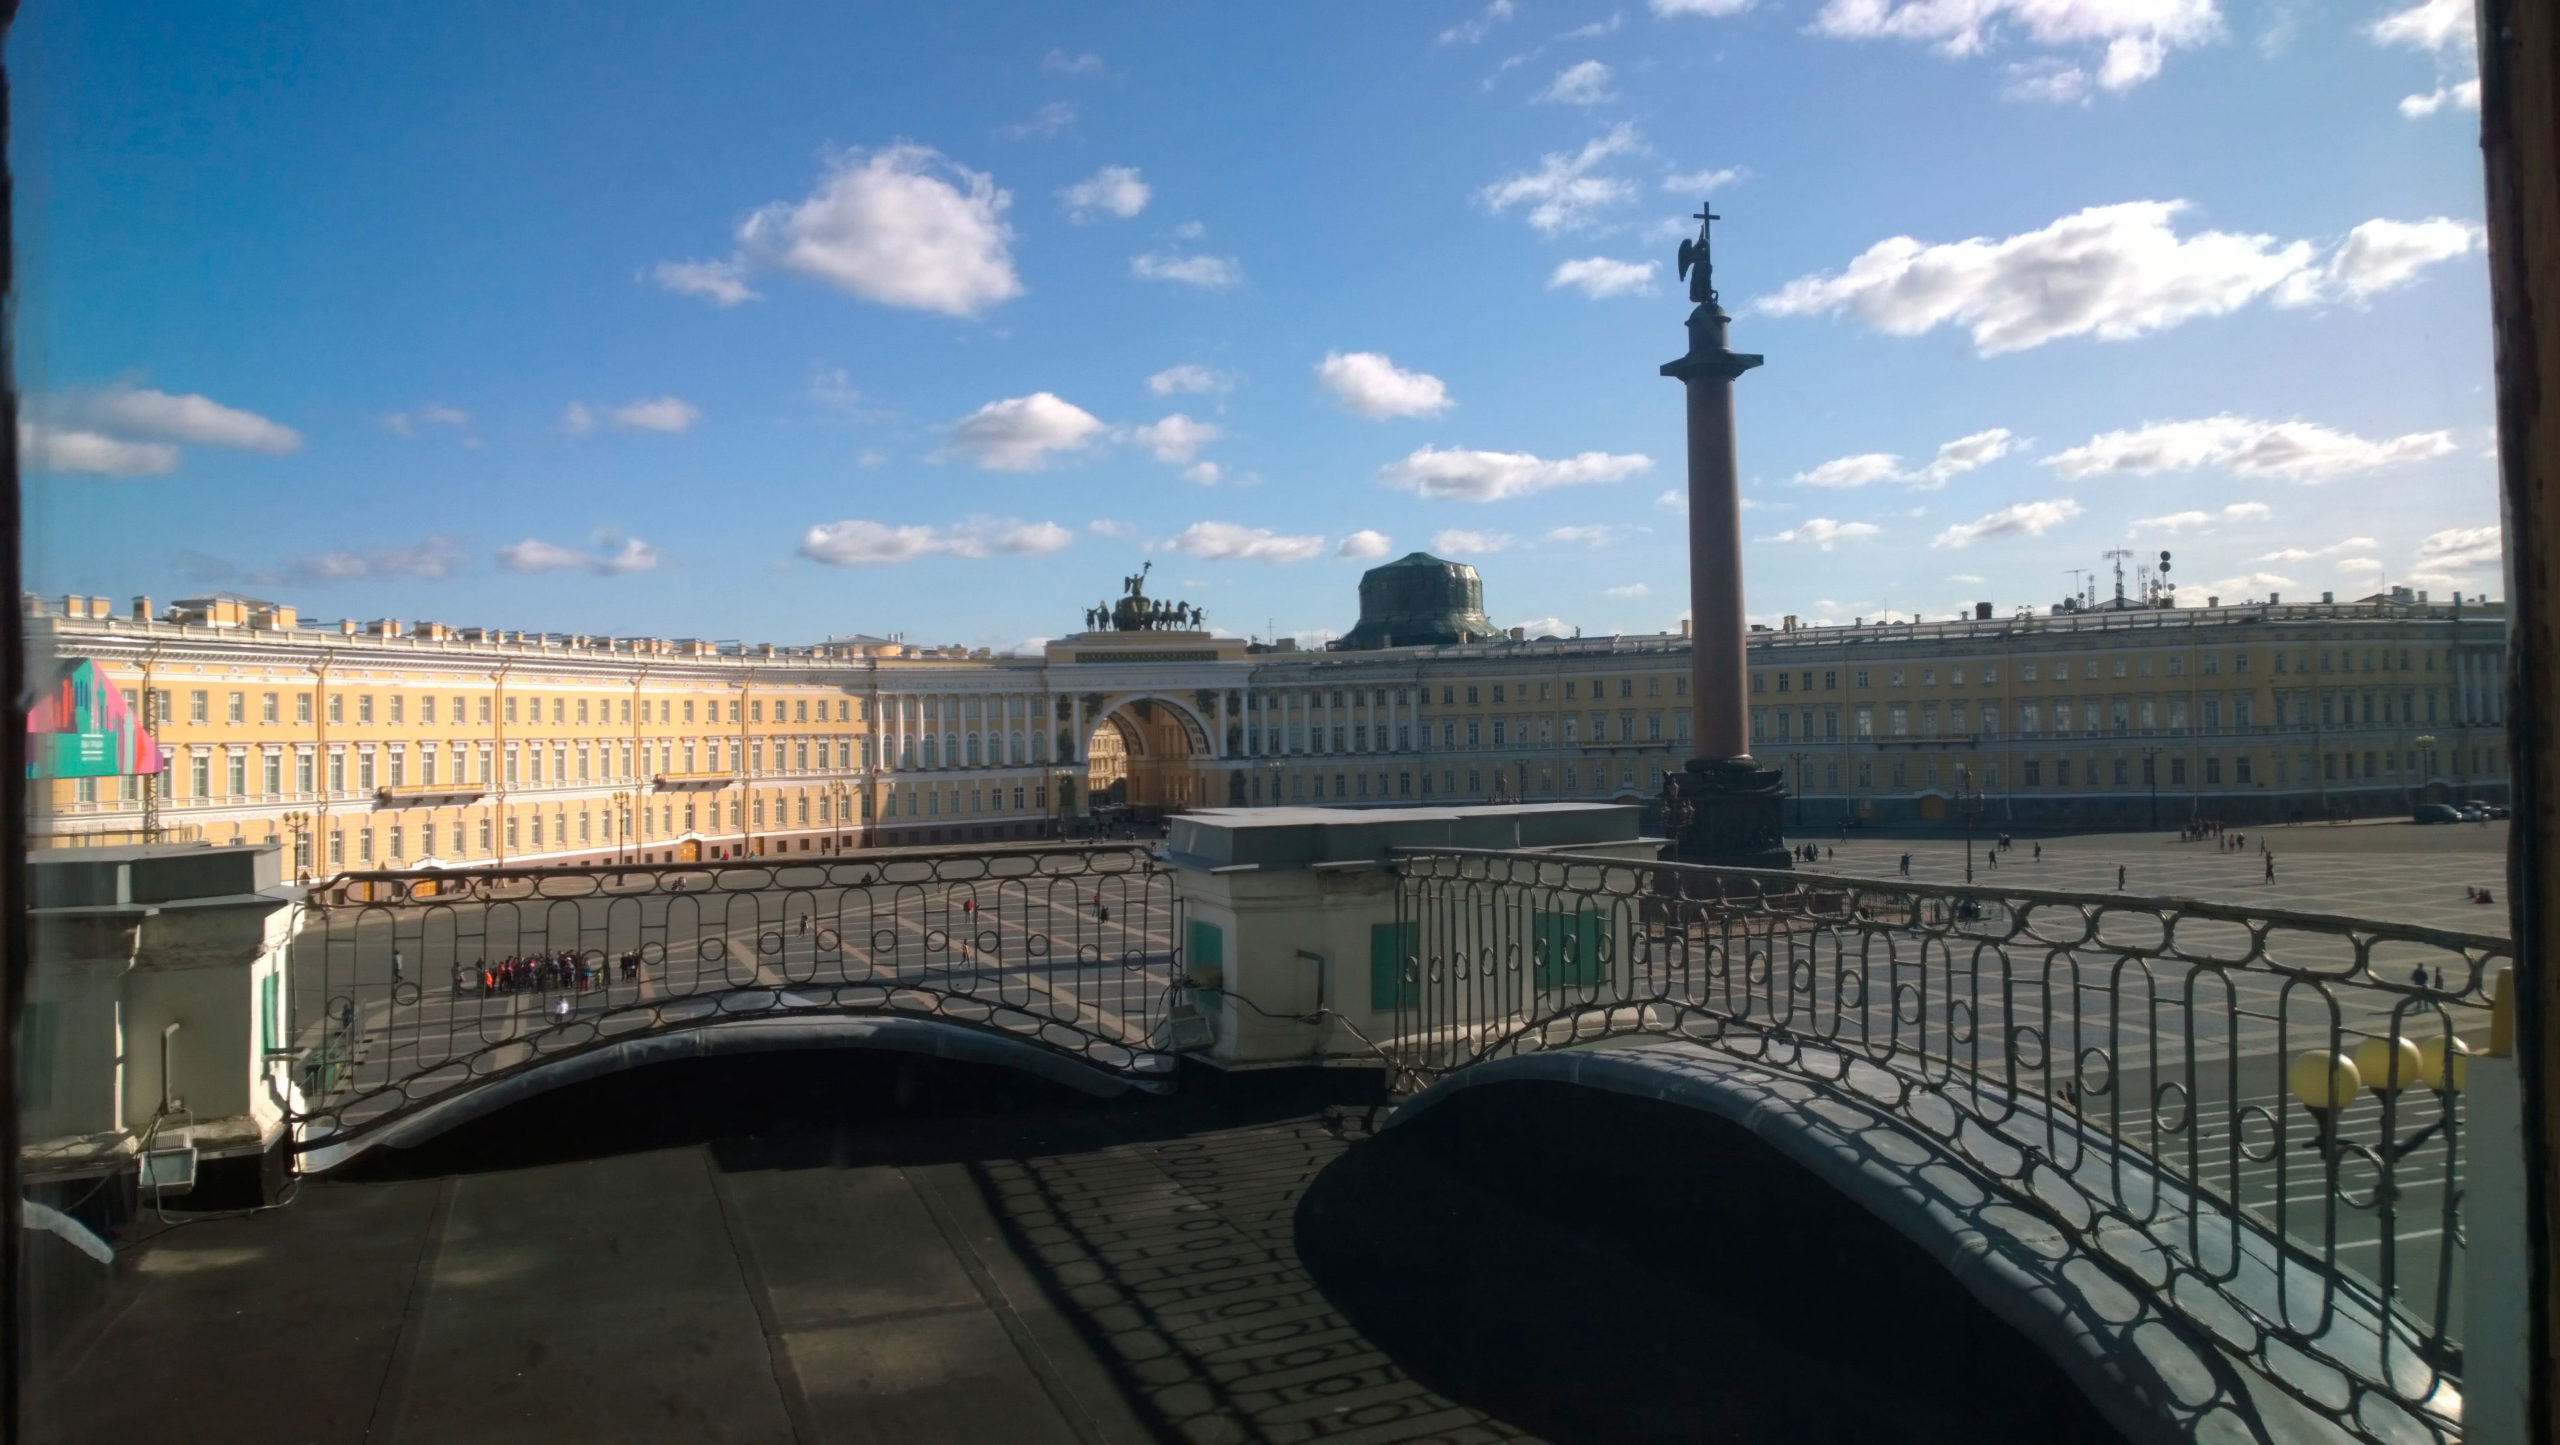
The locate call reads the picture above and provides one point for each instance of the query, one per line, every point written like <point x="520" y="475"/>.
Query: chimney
<point x="2329" y="598"/>
<point x="142" y="609"/>
<point x="1519" y="634"/>
<point x="347" y="626"/>
<point x="1790" y="624"/>
<point x="1982" y="612"/>
<point x="1684" y="627"/>
<point x="2213" y="602"/>
<point x="2275" y="599"/>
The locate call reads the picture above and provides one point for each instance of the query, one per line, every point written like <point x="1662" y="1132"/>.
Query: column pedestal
<point x="1725" y="813"/>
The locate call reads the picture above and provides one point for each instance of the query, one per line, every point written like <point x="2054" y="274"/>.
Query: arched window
<point x="951" y="748"/>
<point x="930" y="760"/>
<point x="1040" y="747"/>
<point x="1017" y="755"/>
<point x="973" y="750"/>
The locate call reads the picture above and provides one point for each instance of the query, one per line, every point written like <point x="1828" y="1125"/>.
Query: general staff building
<point x="397" y="745"/>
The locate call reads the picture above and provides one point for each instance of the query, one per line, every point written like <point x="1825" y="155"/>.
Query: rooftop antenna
<point x="2077" y="586"/>
<point x="2117" y="556"/>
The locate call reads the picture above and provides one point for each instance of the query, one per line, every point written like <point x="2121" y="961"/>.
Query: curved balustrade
<point x="2252" y="1116"/>
<point x="403" y="985"/>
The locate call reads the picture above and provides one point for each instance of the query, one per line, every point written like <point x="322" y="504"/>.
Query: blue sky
<point x="778" y="322"/>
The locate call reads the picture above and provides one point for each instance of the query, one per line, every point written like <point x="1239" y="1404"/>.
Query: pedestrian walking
<point x="2119" y="877"/>
<point x="2039" y="853"/>
<point x="395" y="967"/>
<point x="2271" y="867"/>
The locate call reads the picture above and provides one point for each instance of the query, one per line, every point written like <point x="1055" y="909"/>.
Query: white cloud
<point x="2115" y="272"/>
<point x="131" y="413"/>
<point x="979" y="537"/>
<point x="576" y="420"/>
<point x="902" y="226"/>
<point x="1632" y="589"/>
<point x="1120" y="531"/>
<point x="2294" y="450"/>
<point x="1701" y="183"/>
<point x="128" y="431"/>
<point x="834" y="390"/>
<point x="1968" y="452"/>
<point x="2202" y="521"/>
<point x="1059" y="62"/>
<point x="1670" y="8"/>
<point x="1019" y="433"/>
<point x="1562" y="192"/>
<point x="1174" y="440"/>
<point x="1110" y="191"/>
<point x="1365" y="543"/>
<point x="1598" y="276"/>
<point x="1596" y="28"/>
<point x="434" y="559"/>
<point x="2380" y="255"/>
<point x="1855" y="471"/>
<point x="1469" y="31"/>
<point x="1370" y="385"/>
<point x="1954" y="459"/>
<point x="2427" y="25"/>
<point x="2026" y="519"/>
<point x="1545" y="627"/>
<point x="2360" y="564"/>
<point x="1585" y="82"/>
<point x="2240" y="586"/>
<point x="1673" y="501"/>
<point x="2463" y="95"/>
<point x="1589" y="534"/>
<point x="1187" y="378"/>
<point x="665" y="413"/>
<point x="1204" y="473"/>
<point x="1042" y="124"/>
<point x="722" y="283"/>
<point x="1209" y="273"/>
<point x="862" y="543"/>
<point x="858" y="544"/>
<point x="406" y="423"/>
<point x="1469" y="543"/>
<point x="534" y="555"/>
<point x="87" y="454"/>
<point x="2131" y="37"/>
<point x="2458" y="551"/>
<point x="1439" y="473"/>
<point x="1227" y="541"/>
<point x="1825" y="533"/>
<point x="1968" y="578"/>
<point x="2298" y="554"/>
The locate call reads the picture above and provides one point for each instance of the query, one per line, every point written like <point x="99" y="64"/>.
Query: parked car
<point x="2435" y="813"/>
<point x="2473" y="813"/>
<point x="2495" y="810"/>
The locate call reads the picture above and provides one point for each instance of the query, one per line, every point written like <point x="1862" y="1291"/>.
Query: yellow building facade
<point x="390" y="745"/>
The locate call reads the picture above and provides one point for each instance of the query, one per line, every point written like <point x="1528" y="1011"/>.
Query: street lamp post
<point x="1795" y="785"/>
<point x="841" y="794"/>
<point x="2426" y="746"/>
<point x="2151" y="776"/>
<point x="1276" y="767"/>
<point x="1963" y="806"/>
<point x="299" y="824"/>
<point x="622" y="827"/>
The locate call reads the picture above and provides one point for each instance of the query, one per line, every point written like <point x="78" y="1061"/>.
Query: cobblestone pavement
<point x="2395" y="870"/>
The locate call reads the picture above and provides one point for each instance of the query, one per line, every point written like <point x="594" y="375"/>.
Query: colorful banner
<point x="81" y="728"/>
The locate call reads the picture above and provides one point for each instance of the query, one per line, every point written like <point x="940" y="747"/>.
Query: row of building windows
<point x="235" y="708"/>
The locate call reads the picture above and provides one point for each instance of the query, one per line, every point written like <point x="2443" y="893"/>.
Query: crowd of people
<point x="565" y="971"/>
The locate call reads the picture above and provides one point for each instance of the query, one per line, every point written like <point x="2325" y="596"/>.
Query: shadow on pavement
<point x="1593" y="1267"/>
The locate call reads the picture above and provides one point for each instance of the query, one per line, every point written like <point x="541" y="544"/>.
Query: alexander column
<point x="1722" y="807"/>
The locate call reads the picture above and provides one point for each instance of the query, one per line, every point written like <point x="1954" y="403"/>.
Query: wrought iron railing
<point x="2136" y="1073"/>
<point x="432" y="982"/>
